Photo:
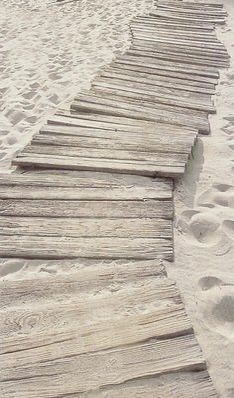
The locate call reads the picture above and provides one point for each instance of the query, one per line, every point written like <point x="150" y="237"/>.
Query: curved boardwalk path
<point x="90" y="206"/>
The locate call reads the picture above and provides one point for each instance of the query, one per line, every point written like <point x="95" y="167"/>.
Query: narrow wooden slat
<point x="142" y="110"/>
<point x="166" y="56"/>
<point x="189" y="45"/>
<point x="154" y="80"/>
<point x="182" y="385"/>
<point x="122" y="67"/>
<point x="110" y="367"/>
<point x="141" y="166"/>
<point x="66" y="247"/>
<point x="85" y="276"/>
<point x="170" y="16"/>
<point x="192" y="4"/>
<point x="175" y="24"/>
<point x="153" y="69"/>
<point x="149" y="144"/>
<point x="172" y="65"/>
<point x="201" y="11"/>
<point x="144" y="228"/>
<point x="100" y="209"/>
<point x="84" y="186"/>
<point x="155" y="94"/>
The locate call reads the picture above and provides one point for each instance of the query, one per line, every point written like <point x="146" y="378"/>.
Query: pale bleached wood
<point x="154" y="80"/>
<point x="173" y="65"/>
<point x="139" y="109"/>
<point x="120" y="157"/>
<point x="66" y="247"/>
<point x="181" y="384"/>
<point x="148" y="208"/>
<point x="83" y="276"/>
<point x="133" y="142"/>
<point x="155" y="94"/>
<point x="166" y="56"/>
<point x="117" y="124"/>
<point x="84" y="186"/>
<point x="185" y="19"/>
<point x="197" y="11"/>
<point x="171" y="91"/>
<point x="174" y="24"/>
<point x="152" y="73"/>
<point x="90" y="227"/>
<point x="164" y="30"/>
<point x="109" y="367"/>
<point x="192" y="5"/>
<point x="152" y="69"/>
<point x="191" y="46"/>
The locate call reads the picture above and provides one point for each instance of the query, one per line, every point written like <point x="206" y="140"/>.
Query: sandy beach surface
<point x="49" y="53"/>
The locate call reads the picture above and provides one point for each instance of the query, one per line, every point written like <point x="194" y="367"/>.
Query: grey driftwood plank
<point x="174" y="24"/>
<point x="138" y="167"/>
<point x="154" y="80"/>
<point x="140" y="110"/>
<point x="172" y="64"/>
<point x="155" y="94"/>
<point x="137" y="64"/>
<point x="90" y="227"/>
<point x="67" y="247"/>
<point x="148" y="144"/>
<point x="58" y="123"/>
<point x="84" y="276"/>
<point x="148" y="208"/>
<point x="167" y="56"/>
<point x="83" y="186"/>
<point x="110" y="367"/>
<point x="183" y="385"/>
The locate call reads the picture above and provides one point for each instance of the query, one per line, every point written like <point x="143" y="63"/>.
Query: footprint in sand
<point x="218" y="311"/>
<point x="200" y="227"/>
<point x="218" y="195"/>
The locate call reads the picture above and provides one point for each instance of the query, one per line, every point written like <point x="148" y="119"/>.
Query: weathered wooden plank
<point x="148" y="52"/>
<point x="79" y="276"/>
<point x="141" y="166"/>
<point x="193" y="34"/>
<point x="119" y="156"/>
<point x="200" y="11"/>
<point x="193" y="5"/>
<point x="175" y="24"/>
<point x="151" y="67"/>
<point x="200" y="15"/>
<point x="115" y="328"/>
<point x="178" y="36"/>
<point x="101" y="209"/>
<point x="191" y="46"/>
<point x="182" y="385"/>
<point x="109" y="367"/>
<point x="67" y="120"/>
<point x="169" y="65"/>
<point x="66" y="247"/>
<point x="152" y="73"/>
<point x="113" y="98"/>
<point x="84" y="186"/>
<point x="185" y="19"/>
<point x="142" y="144"/>
<point x="155" y="94"/>
<point x="154" y="80"/>
<point x="172" y="90"/>
<point x="203" y="53"/>
<point x="142" y="110"/>
<point x="91" y="227"/>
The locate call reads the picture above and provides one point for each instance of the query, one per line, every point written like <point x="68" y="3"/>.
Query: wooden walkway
<point x="93" y="196"/>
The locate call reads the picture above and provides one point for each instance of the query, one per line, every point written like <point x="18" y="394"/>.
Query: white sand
<point x="48" y="59"/>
